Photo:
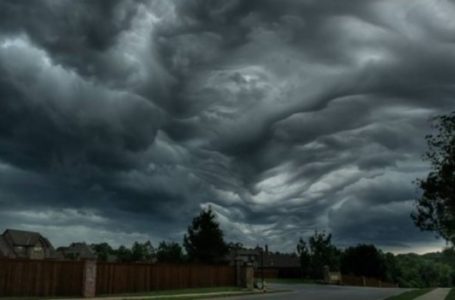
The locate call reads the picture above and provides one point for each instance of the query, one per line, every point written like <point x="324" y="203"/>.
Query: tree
<point x="123" y="254"/>
<point x="363" y="260"/>
<point x="323" y="253"/>
<point x="142" y="251"/>
<point x="304" y="255"/>
<point x="393" y="271"/>
<point x="436" y="206"/>
<point x="204" y="241"/>
<point x="102" y="250"/>
<point x="169" y="252"/>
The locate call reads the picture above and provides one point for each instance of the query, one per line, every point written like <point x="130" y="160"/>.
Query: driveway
<point x="325" y="292"/>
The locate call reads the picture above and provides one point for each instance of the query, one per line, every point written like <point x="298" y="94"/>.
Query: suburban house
<point x="260" y="257"/>
<point x="26" y="244"/>
<point x="244" y="255"/>
<point x="78" y="251"/>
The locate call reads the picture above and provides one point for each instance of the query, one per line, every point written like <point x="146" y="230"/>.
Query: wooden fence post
<point x="89" y="279"/>
<point x="238" y="273"/>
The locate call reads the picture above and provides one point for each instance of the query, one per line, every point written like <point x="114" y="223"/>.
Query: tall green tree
<point x="102" y="250"/>
<point x="364" y="260"/>
<point x="169" y="252"/>
<point x="323" y="253"/>
<point x="123" y="254"/>
<point x="436" y="207"/>
<point x="204" y="240"/>
<point x="142" y="251"/>
<point x="304" y="256"/>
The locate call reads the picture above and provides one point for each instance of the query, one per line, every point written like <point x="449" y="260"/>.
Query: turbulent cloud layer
<point x="119" y="120"/>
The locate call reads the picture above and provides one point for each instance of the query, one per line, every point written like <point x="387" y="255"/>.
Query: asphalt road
<point x="325" y="292"/>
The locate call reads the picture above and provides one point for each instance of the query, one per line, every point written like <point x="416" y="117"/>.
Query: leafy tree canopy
<point x="204" y="240"/>
<point x="363" y="260"/>
<point x="436" y="207"/>
<point x="169" y="252"/>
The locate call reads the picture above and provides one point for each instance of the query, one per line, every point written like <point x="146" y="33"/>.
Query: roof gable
<point x="22" y="238"/>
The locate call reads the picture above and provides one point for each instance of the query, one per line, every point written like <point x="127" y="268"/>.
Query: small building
<point x="78" y="251"/>
<point x="26" y="244"/>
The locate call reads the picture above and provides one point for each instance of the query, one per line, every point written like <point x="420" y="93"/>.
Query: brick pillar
<point x="89" y="279"/>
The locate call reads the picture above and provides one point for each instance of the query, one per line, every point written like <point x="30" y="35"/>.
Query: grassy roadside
<point x="158" y="295"/>
<point x="451" y="295"/>
<point x="410" y="295"/>
<point x="180" y="292"/>
<point x="291" y="280"/>
<point x="189" y="294"/>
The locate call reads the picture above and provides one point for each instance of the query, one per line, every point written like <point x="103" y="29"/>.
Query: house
<point x="78" y="251"/>
<point x="282" y="265"/>
<point x="26" y="244"/>
<point x="243" y="255"/>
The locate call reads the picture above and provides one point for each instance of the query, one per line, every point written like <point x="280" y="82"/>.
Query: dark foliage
<point x="169" y="253"/>
<point x="204" y="241"/>
<point x="319" y="253"/>
<point x="364" y="260"/>
<point x="103" y="251"/>
<point x="305" y="258"/>
<point x="436" y="206"/>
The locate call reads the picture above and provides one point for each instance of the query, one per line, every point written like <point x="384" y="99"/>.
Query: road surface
<point x="324" y="292"/>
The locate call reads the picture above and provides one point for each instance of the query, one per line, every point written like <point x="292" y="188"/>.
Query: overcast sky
<point x="120" y="120"/>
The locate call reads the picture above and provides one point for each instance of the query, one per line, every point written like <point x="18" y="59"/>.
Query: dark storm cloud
<point x="119" y="120"/>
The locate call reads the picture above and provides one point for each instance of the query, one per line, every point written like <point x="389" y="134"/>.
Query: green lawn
<point x="451" y="295"/>
<point x="169" y="294"/>
<point x="289" y="280"/>
<point x="166" y="294"/>
<point x="410" y="295"/>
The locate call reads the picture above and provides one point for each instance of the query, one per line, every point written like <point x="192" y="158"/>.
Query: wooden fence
<point x="40" y="278"/>
<point x="115" y="278"/>
<point x="273" y="272"/>
<point x="47" y="278"/>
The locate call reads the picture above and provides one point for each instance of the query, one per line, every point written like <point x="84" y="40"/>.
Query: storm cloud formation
<point x="119" y="120"/>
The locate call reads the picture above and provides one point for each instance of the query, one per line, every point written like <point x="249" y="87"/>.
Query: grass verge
<point x="451" y="295"/>
<point x="158" y="295"/>
<point x="189" y="294"/>
<point x="290" y="280"/>
<point x="410" y="295"/>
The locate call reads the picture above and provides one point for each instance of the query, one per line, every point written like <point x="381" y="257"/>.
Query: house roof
<point x="24" y="238"/>
<point x="5" y="250"/>
<point x="80" y="250"/>
<point x="281" y="260"/>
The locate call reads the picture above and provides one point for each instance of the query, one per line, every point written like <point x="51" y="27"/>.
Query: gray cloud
<point x="119" y="120"/>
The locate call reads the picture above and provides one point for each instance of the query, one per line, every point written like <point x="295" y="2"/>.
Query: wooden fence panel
<point x="116" y="278"/>
<point x="28" y="278"/>
<point x="352" y="280"/>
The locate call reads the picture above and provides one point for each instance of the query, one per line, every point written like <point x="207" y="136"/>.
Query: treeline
<point x="203" y="243"/>
<point x="170" y="252"/>
<point x="408" y="270"/>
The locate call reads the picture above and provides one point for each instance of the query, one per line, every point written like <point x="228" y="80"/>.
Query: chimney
<point x="266" y="249"/>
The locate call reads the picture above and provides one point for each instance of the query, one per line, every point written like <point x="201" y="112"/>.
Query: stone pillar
<point x="89" y="279"/>
<point x="248" y="276"/>
<point x="326" y="274"/>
